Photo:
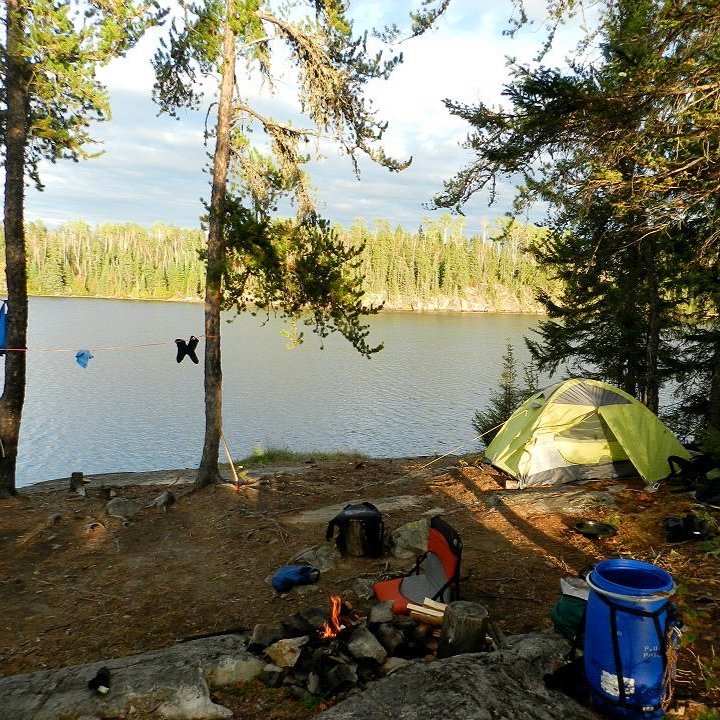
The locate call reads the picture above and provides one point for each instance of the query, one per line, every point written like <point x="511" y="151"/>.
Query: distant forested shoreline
<point x="438" y="267"/>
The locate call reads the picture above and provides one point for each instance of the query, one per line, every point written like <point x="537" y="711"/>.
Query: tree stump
<point x="464" y="628"/>
<point x="354" y="538"/>
<point x="77" y="483"/>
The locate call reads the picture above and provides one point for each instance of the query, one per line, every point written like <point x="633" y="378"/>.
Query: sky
<point x="153" y="168"/>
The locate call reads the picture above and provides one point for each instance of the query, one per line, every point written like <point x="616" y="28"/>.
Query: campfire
<point x="327" y="652"/>
<point x="342" y="617"/>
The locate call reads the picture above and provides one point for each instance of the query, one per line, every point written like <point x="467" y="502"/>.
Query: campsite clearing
<point x="79" y="586"/>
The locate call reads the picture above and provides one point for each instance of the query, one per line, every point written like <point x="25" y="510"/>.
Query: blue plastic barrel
<point x="626" y="637"/>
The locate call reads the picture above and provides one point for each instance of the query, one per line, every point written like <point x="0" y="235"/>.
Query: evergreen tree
<point x="615" y="148"/>
<point x="128" y="260"/>
<point x="505" y="400"/>
<point x="49" y="98"/>
<point x="333" y="69"/>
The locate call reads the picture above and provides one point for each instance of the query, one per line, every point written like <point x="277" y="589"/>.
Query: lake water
<point x="136" y="408"/>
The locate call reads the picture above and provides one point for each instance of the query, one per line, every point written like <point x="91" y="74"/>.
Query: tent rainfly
<point x="582" y="429"/>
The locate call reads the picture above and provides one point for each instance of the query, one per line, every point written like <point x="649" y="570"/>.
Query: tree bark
<point x="13" y="397"/>
<point x="208" y="471"/>
<point x="712" y="418"/>
<point x="651" y="385"/>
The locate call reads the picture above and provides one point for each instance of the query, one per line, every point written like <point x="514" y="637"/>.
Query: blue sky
<point x="152" y="167"/>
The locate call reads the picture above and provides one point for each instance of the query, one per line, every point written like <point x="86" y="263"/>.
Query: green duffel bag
<point x="568" y="617"/>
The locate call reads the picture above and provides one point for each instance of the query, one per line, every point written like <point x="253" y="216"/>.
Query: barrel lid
<point x="631" y="580"/>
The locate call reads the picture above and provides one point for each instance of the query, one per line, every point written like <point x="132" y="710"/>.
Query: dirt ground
<point x="78" y="586"/>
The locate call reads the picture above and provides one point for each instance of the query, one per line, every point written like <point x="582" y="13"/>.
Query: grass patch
<point x="272" y="455"/>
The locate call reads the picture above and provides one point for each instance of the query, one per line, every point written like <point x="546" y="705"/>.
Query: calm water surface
<point x="136" y="409"/>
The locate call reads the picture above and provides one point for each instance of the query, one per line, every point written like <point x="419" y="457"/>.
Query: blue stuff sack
<point x="286" y="578"/>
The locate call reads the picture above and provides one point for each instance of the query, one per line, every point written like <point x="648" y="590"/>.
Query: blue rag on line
<point x="83" y="357"/>
<point x="286" y="578"/>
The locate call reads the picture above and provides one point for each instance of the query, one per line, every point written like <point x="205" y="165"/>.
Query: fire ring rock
<point x="285" y="653"/>
<point x="363" y="645"/>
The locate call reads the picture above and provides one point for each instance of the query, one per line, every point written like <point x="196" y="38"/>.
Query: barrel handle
<point x="629" y="598"/>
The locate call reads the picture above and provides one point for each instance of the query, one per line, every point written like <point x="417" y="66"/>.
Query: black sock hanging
<point x="187" y="348"/>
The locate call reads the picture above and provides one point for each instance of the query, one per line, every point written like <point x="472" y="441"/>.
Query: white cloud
<point x="152" y="168"/>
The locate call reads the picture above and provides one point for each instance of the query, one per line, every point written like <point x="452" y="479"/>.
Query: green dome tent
<point x="582" y="429"/>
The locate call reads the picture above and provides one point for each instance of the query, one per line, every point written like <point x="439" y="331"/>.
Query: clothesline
<point x="100" y="349"/>
<point x="184" y="349"/>
<point x="82" y="357"/>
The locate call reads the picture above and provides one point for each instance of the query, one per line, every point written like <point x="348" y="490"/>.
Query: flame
<point x="333" y="628"/>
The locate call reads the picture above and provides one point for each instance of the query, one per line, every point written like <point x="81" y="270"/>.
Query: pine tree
<point x="617" y="149"/>
<point x="505" y="400"/>
<point x="334" y="68"/>
<point x="50" y="96"/>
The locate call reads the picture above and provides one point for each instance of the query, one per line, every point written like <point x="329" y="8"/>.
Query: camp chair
<point x="441" y="576"/>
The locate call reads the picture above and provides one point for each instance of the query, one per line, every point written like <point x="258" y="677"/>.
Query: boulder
<point x="285" y="653"/>
<point x="175" y="680"/>
<point x="410" y="540"/>
<point x="363" y="645"/>
<point x="507" y="683"/>
<point x="122" y="508"/>
<point x="363" y="588"/>
<point x="322" y="557"/>
<point x="381" y="612"/>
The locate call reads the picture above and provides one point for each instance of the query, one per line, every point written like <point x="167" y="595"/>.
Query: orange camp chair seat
<point x="441" y="576"/>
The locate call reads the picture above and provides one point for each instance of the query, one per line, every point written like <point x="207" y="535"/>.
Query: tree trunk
<point x="712" y="419"/>
<point x="650" y="394"/>
<point x="209" y="471"/>
<point x="13" y="397"/>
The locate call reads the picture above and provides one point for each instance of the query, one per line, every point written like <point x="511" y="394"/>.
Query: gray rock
<point x="122" y="508"/>
<point x="163" y="501"/>
<point x="381" y="612"/>
<point x="390" y="637"/>
<point x="272" y="675"/>
<point x="392" y="664"/>
<point x="322" y="557"/>
<point x="177" y="680"/>
<point x="505" y="684"/>
<point x="363" y="588"/>
<point x="341" y="676"/>
<point x="363" y="645"/>
<point x="285" y="653"/>
<point x="263" y="635"/>
<point x="547" y="501"/>
<point x="313" y="683"/>
<point x="410" y="540"/>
